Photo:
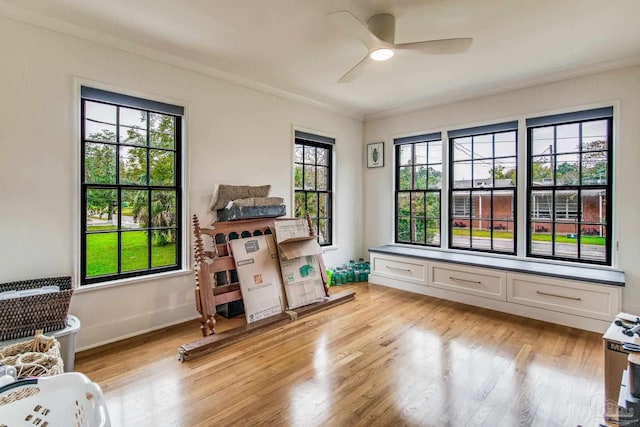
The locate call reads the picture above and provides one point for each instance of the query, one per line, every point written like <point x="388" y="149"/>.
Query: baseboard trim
<point x="132" y="326"/>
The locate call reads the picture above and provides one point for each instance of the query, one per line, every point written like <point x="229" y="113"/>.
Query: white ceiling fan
<point x="378" y="35"/>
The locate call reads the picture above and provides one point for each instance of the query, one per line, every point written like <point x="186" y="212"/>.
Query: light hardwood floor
<point x="387" y="358"/>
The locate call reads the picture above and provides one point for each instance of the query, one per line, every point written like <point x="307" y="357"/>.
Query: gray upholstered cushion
<point x="256" y="201"/>
<point x="226" y="193"/>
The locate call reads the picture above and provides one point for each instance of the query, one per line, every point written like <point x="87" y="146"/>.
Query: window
<point x="461" y="206"/>
<point x="418" y="186"/>
<point x="482" y="189"/>
<point x="566" y="205"/>
<point x="313" y="173"/>
<point x="131" y="186"/>
<point x="569" y="186"/>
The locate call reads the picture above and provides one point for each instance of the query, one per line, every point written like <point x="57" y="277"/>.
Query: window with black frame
<point x="569" y="186"/>
<point x="313" y="171"/>
<point x="418" y="187"/>
<point x="131" y="186"/>
<point x="482" y="191"/>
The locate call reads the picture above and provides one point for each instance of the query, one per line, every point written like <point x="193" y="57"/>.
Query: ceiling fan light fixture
<point x="378" y="35"/>
<point x="381" y="54"/>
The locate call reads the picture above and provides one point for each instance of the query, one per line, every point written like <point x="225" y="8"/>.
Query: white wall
<point x="620" y="87"/>
<point x="235" y="135"/>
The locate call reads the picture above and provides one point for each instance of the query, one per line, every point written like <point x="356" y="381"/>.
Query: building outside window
<point x="131" y="186"/>
<point x="418" y="187"/>
<point x="461" y="206"/>
<point x="313" y="182"/>
<point x="569" y="186"/>
<point x="482" y="191"/>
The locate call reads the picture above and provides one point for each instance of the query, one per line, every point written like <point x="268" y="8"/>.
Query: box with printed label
<point x="615" y="362"/>
<point x="299" y="262"/>
<point x="302" y="280"/>
<point x="291" y="230"/>
<point x="259" y="276"/>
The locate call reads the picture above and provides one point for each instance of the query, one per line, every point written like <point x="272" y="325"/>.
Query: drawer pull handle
<point x="398" y="269"/>
<point x="476" y="282"/>
<point x="559" y="296"/>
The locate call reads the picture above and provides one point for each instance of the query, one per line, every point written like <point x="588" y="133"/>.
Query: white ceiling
<point x="290" y="47"/>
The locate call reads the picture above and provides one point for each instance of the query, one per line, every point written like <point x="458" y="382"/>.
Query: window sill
<point x="586" y="273"/>
<point x="130" y="281"/>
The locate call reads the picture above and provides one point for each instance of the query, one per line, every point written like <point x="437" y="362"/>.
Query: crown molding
<point x="536" y="80"/>
<point x="80" y="32"/>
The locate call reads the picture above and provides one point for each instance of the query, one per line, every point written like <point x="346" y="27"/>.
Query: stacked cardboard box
<point x="259" y="276"/>
<point x="266" y="266"/>
<point x="299" y="262"/>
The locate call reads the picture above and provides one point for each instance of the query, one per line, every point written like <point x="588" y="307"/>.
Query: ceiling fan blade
<point x="355" y="27"/>
<point x="355" y="72"/>
<point x="437" y="47"/>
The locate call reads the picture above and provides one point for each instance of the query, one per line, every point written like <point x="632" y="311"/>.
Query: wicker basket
<point x="37" y="357"/>
<point x="21" y="317"/>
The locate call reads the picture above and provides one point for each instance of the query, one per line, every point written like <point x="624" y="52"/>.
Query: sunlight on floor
<point x="311" y="401"/>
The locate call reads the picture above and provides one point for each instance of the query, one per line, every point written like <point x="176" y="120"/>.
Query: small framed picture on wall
<point x="375" y="155"/>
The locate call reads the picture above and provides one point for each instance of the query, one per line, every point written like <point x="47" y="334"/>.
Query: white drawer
<point x="469" y="280"/>
<point x="406" y="269"/>
<point x="566" y="296"/>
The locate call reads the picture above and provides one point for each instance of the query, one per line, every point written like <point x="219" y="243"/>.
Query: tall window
<point x="313" y="173"/>
<point x="418" y="186"/>
<point x="569" y="186"/>
<point x="483" y="188"/>
<point x="131" y="186"/>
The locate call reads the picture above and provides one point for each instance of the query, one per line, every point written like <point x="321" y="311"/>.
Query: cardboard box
<point x="297" y="249"/>
<point x="291" y="230"/>
<point x="302" y="280"/>
<point x="259" y="276"/>
<point x="299" y="262"/>
<point x="615" y="362"/>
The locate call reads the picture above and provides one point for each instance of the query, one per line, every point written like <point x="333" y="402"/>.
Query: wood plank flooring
<point x="387" y="358"/>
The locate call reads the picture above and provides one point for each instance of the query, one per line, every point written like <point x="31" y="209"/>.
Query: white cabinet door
<point x="566" y="296"/>
<point x="406" y="269"/>
<point x="482" y="282"/>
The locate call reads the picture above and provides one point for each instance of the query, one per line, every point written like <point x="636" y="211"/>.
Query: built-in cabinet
<point x="478" y="281"/>
<point x="409" y="270"/>
<point x="576" y="303"/>
<point x="565" y="296"/>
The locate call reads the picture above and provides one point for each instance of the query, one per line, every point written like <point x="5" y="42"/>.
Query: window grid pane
<point x="313" y="188"/>
<point x="130" y="192"/>
<point x="417" y="201"/>
<point x="482" y="195"/>
<point x="569" y="191"/>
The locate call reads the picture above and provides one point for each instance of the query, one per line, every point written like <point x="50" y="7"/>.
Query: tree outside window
<point x="418" y="187"/>
<point x="130" y="189"/>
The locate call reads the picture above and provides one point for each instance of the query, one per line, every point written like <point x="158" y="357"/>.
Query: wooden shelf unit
<point x="216" y="278"/>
